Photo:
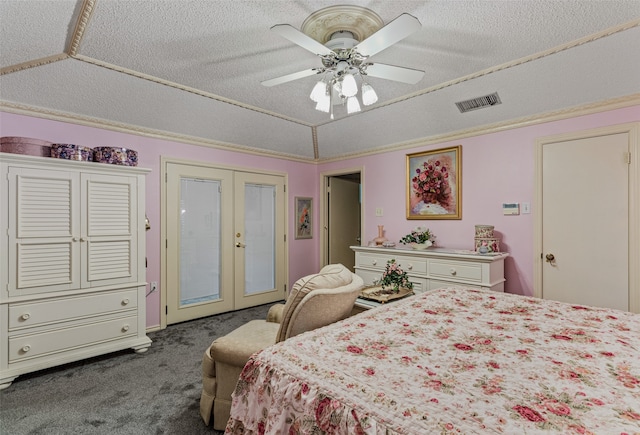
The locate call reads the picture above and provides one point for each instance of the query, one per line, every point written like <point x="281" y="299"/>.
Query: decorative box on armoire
<point x="72" y="270"/>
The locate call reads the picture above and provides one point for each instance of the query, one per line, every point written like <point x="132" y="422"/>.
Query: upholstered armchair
<point x="314" y="301"/>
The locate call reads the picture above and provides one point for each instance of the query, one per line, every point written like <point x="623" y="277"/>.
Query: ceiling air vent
<point x="478" y="103"/>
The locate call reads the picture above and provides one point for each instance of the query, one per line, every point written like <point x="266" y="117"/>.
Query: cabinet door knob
<point x="82" y="239"/>
<point x="26" y="348"/>
<point x="125" y="328"/>
<point x="453" y="271"/>
<point x="74" y="239"/>
<point x="125" y="301"/>
<point x="25" y="316"/>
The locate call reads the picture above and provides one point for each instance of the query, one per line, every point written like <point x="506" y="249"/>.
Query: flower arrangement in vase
<point x="394" y="278"/>
<point x="419" y="238"/>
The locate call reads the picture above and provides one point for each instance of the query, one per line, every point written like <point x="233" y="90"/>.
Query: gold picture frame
<point x="434" y="184"/>
<point x="304" y="217"/>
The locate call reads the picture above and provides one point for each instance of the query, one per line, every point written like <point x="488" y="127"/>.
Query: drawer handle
<point x="25" y="316"/>
<point x="374" y="262"/>
<point x="453" y="271"/>
<point x="26" y="348"/>
<point x="125" y="328"/>
<point x="410" y="266"/>
<point x="125" y="301"/>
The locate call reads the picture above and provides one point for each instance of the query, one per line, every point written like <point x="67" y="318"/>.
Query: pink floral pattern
<point x="450" y="361"/>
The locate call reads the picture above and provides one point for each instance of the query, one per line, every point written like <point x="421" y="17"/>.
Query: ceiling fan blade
<point x="393" y="32"/>
<point x="396" y="73"/>
<point x="297" y="37"/>
<point x="291" y="77"/>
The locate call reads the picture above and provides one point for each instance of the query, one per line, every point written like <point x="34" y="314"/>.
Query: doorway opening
<point x="341" y="216"/>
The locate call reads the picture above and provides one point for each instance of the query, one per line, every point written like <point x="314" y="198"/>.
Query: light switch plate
<point x="379" y="211"/>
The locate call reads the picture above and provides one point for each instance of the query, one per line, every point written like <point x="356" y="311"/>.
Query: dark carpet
<point x="157" y="392"/>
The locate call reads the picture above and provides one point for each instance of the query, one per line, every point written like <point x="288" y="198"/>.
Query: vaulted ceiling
<point x="192" y="70"/>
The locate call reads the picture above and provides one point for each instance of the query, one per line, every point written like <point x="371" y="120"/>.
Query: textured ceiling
<point x="192" y="69"/>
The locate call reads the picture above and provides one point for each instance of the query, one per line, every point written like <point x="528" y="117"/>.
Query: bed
<point x="450" y="361"/>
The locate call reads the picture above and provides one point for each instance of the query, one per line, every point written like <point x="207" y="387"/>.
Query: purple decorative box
<point x="71" y="152"/>
<point x="25" y="145"/>
<point x="115" y="156"/>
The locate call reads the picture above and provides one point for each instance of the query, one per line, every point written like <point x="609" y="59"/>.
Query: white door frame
<point x="164" y="161"/>
<point x="324" y="212"/>
<point x="633" y="129"/>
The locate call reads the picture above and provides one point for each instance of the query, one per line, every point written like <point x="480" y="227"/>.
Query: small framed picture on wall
<point x="304" y="218"/>
<point x="434" y="184"/>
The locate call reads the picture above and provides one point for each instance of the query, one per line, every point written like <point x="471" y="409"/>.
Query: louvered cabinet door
<point x="44" y="231"/>
<point x="108" y="227"/>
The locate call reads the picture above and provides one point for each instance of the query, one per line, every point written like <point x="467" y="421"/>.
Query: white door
<point x="344" y="220"/>
<point x="259" y="242"/>
<point x="585" y="220"/>
<point x="199" y="246"/>
<point x="225" y="246"/>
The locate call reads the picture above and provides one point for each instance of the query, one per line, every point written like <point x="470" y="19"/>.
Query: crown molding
<point x="536" y="56"/>
<point x="54" y="115"/>
<point x="33" y="63"/>
<point x="571" y="112"/>
<point x="185" y="88"/>
<point x="542" y="118"/>
<point x="86" y="10"/>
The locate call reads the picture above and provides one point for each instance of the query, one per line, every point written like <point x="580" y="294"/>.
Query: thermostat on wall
<point x="510" y="208"/>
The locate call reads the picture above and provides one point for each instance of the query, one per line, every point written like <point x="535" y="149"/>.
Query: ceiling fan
<point x="344" y="58"/>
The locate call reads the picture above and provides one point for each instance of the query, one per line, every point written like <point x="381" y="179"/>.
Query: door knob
<point x="240" y="245"/>
<point x="550" y="258"/>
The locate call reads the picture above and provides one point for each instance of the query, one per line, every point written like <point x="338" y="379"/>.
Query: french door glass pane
<point x="260" y="230"/>
<point x="199" y="241"/>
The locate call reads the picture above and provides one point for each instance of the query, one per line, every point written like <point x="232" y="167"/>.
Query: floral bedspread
<point x="450" y="361"/>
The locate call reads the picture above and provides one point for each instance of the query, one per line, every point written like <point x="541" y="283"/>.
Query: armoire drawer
<point x="63" y="309"/>
<point x="58" y="340"/>
<point x="457" y="270"/>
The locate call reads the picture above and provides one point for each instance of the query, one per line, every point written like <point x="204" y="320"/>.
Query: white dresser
<point x="433" y="268"/>
<point x="72" y="269"/>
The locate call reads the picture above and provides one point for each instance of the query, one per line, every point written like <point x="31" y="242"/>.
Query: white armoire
<point x="72" y="269"/>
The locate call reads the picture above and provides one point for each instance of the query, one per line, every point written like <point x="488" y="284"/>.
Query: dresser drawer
<point x="412" y="265"/>
<point x="30" y="346"/>
<point x="379" y="262"/>
<point x="457" y="270"/>
<point x="368" y="276"/>
<point x="64" y="309"/>
<point x="371" y="261"/>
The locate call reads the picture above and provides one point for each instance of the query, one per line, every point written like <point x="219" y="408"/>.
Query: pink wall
<point x="497" y="168"/>
<point x="303" y="254"/>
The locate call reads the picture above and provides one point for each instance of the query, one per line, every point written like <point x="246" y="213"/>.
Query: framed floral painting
<point x="304" y="229"/>
<point x="434" y="184"/>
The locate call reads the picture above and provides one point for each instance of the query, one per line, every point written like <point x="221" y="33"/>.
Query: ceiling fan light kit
<point x="345" y="37"/>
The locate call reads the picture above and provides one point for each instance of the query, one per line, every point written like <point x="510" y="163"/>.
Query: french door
<point x="225" y="240"/>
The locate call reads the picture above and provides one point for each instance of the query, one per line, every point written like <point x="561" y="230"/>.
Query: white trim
<point x="558" y="115"/>
<point x="324" y="212"/>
